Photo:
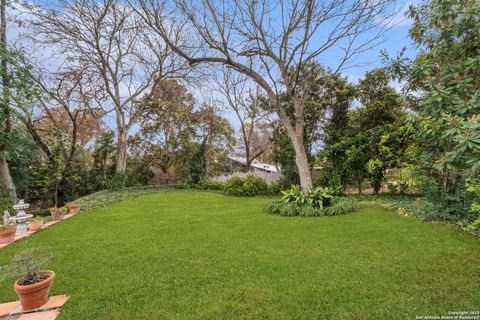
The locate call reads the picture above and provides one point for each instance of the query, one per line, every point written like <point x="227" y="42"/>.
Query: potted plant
<point x="35" y="224"/>
<point x="73" y="208"/>
<point x="57" y="213"/>
<point x="7" y="233"/>
<point x="34" y="283"/>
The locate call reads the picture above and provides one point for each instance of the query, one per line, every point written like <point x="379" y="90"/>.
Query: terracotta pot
<point x="74" y="208"/>
<point x="8" y="236"/>
<point x="57" y="213"/>
<point x="34" y="295"/>
<point x="35" y="225"/>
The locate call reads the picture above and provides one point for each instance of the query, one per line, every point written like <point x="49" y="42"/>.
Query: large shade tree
<point x="173" y="127"/>
<point x="61" y="120"/>
<point x="270" y="42"/>
<point x="109" y="41"/>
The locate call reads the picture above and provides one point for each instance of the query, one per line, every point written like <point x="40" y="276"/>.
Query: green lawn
<point x="200" y="255"/>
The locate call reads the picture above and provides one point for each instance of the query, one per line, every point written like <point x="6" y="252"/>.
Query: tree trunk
<point x="301" y="160"/>
<point x="248" y="161"/>
<point x="6" y="182"/>
<point x="60" y="196"/>
<point x="121" y="153"/>
<point x="44" y="197"/>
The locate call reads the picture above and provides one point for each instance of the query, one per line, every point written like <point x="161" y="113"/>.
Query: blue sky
<point x="395" y="39"/>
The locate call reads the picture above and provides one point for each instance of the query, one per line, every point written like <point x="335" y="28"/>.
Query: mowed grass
<point x="200" y="255"/>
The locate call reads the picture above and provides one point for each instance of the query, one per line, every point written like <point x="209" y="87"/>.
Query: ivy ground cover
<point x="200" y="255"/>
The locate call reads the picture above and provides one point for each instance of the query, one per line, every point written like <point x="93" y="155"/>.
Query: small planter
<point x="36" y="294"/>
<point x="8" y="235"/>
<point x="57" y="214"/>
<point x="35" y="225"/>
<point x="74" y="208"/>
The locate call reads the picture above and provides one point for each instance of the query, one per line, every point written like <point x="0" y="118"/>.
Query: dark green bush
<point x="246" y="187"/>
<point x="205" y="184"/>
<point x="277" y="187"/>
<point x="234" y="186"/>
<point x="255" y="186"/>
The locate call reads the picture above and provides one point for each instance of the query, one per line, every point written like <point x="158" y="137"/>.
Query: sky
<point x="394" y="40"/>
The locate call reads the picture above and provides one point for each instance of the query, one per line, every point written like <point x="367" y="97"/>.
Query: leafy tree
<point x="198" y="164"/>
<point x="138" y="171"/>
<point x="172" y="127"/>
<point x="23" y="159"/>
<point x="359" y="154"/>
<point x="168" y="123"/>
<point x="337" y="99"/>
<point x="219" y="136"/>
<point x="444" y="79"/>
<point x="103" y="161"/>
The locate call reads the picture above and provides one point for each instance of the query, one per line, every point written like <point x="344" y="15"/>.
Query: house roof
<point x="255" y="164"/>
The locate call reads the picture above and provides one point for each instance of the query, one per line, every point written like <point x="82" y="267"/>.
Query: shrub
<point x="392" y="188"/>
<point x="332" y="180"/>
<point x="317" y="197"/>
<point x="277" y="186"/>
<point x="117" y="182"/>
<point x="293" y="209"/>
<point x="269" y="177"/>
<point x="249" y="186"/>
<point x="403" y="187"/>
<point x="274" y="207"/>
<point x="290" y="209"/>
<point x="138" y="172"/>
<point x="209" y="185"/>
<point x="308" y="211"/>
<point x="234" y="186"/>
<point x="341" y="206"/>
<point x="5" y="201"/>
<point x="294" y="194"/>
<point x="473" y="227"/>
<point x="317" y="202"/>
<point x="254" y="185"/>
